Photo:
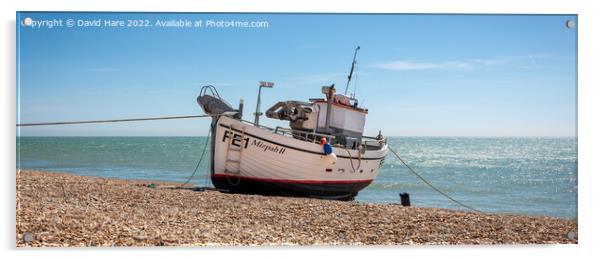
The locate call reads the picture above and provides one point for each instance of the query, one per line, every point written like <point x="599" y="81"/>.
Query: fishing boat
<point x="322" y="154"/>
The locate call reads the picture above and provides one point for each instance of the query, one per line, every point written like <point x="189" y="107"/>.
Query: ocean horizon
<point x="506" y="174"/>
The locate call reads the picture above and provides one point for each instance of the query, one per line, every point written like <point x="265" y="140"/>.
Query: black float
<point x="405" y="199"/>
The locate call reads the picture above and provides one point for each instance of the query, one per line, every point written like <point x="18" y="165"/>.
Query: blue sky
<point x="419" y="75"/>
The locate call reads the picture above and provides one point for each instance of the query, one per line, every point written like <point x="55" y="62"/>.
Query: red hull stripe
<point x="293" y="181"/>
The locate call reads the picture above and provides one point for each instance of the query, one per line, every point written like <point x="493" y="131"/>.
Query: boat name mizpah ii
<point x="265" y="147"/>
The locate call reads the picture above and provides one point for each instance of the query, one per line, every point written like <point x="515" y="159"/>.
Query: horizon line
<point x="397" y="136"/>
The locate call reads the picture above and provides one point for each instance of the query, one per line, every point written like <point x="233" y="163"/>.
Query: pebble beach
<point x="60" y="209"/>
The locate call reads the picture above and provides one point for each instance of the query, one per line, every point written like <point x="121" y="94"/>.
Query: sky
<point x="419" y="75"/>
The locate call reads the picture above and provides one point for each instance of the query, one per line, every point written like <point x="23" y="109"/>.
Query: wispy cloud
<point x="524" y="61"/>
<point x="413" y="65"/>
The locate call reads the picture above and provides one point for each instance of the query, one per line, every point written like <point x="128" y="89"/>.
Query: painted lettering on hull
<point x="268" y="147"/>
<point x="236" y="139"/>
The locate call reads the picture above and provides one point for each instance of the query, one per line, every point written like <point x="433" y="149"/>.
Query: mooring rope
<point x="207" y="141"/>
<point x="108" y="121"/>
<point x="359" y="158"/>
<point x="136" y="119"/>
<point x="350" y="159"/>
<point x="430" y="185"/>
<point x="199" y="162"/>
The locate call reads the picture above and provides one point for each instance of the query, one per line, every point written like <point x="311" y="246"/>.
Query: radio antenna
<point x="352" y="67"/>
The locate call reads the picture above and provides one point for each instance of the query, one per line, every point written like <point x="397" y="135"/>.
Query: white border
<point x="588" y="118"/>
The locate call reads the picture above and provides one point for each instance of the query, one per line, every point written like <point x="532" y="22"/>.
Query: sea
<point x="524" y="175"/>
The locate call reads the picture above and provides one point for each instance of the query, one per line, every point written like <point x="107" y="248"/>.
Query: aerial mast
<point x="257" y="113"/>
<point x="352" y="67"/>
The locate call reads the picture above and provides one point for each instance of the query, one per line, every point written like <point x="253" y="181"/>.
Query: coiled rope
<point x="430" y="185"/>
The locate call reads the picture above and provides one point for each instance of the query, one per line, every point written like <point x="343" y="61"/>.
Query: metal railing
<point x="309" y="136"/>
<point x="314" y="137"/>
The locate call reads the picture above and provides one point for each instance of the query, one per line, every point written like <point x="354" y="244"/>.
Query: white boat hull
<point x="250" y="159"/>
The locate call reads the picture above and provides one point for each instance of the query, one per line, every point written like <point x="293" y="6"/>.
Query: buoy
<point x="326" y="146"/>
<point x="330" y="159"/>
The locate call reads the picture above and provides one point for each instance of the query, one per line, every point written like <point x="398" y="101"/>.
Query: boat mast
<point x="352" y="67"/>
<point x="329" y="91"/>
<point x="257" y="112"/>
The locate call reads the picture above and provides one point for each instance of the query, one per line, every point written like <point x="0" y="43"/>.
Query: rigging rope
<point x="209" y="164"/>
<point x="355" y="82"/>
<point x="359" y="158"/>
<point x="350" y="159"/>
<point x="108" y="121"/>
<point x="199" y="163"/>
<point x="432" y="186"/>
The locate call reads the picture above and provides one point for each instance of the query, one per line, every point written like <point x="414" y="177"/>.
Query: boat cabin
<point x="337" y="115"/>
